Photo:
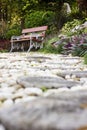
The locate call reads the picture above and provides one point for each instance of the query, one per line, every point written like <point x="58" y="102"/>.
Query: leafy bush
<point x="77" y="45"/>
<point x="75" y="13"/>
<point x="39" y="18"/>
<point x="69" y="26"/>
<point x="13" y="30"/>
<point x="3" y="28"/>
<point x="50" y="48"/>
<point x="3" y="50"/>
<point x="85" y="58"/>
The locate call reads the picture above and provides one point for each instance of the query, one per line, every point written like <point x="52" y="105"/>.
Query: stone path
<point x="42" y="92"/>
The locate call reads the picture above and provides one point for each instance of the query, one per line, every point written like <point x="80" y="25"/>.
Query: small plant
<point x="39" y="18"/>
<point x="51" y="48"/>
<point x="13" y="30"/>
<point x="72" y="28"/>
<point x="85" y="58"/>
<point x="3" y="50"/>
<point x="77" y="45"/>
<point x="44" y="89"/>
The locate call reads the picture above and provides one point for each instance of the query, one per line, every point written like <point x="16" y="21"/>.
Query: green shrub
<point x="85" y="58"/>
<point x="77" y="45"/>
<point x="3" y="28"/>
<point x="50" y="48"/>
<point x="39" y="18"/>
<point x="67" y="28"/>
<point x="3" y="50"/>
<point x="13" y="30"/>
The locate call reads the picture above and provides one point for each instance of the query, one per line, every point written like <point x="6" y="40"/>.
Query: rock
<point x="33" y="91"/>
<point x="8" y="103"/>
<point x="45" y="81"/>
<point x="55" y="91"/>
<point x="79" y="95"/>
<point x="2" y="127"/>
<point x="38" y="58"/>
<point x="84" y="25"/>
<point x="60" y="41"/>
<point x="5" y="96"/>
<point x="78" y="74"/>
<point x="18" y="95"/>
<point x="4" y="85"/>
<point x="44" y="114"/>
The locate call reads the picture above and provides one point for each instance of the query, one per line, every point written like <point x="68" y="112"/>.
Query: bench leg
<point x="22" y="47"/>
<point x="12" y="47"/>
<point x="41" y="46"/>
<point x="17" y="46"/>
<point x="30" y="46"/>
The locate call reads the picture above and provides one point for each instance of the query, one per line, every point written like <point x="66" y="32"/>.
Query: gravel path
<point x="37" y="78"/>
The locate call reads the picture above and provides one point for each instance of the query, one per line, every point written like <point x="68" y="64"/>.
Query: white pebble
<point x="18" y="100"/>
<point x="73" y="76"/>
<point x="8" y="103"/>
<point x="33" y="91"/>
<point x="4" y="85"/>
<point x="74" y="88"/>
<point x="5" y="95"/>
<point x="29" y="98"/>
<point x="67" y="77"/>
<point x="2" y="127"/>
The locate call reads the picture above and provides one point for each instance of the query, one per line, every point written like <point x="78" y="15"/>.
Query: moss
<point x="44" y="89"/>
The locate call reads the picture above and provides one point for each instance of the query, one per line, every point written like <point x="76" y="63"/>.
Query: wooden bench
<point x="33" y="36"/>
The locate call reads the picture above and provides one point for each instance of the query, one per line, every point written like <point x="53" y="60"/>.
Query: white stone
<point x="55" y="91"/>
<point x="7" y="89"/>
<point x="83" y="80"/>
<point x="4" y="85"/>
<point x="5" y="95"/>
<point x="2" y="127"/>
<point x="63" y="90"/>
<point x="75" y="88"/>
<point x="8" y="103"/>
<point x="33" y="91"/>
<point x="50" y="92"/>
<point x="29" y="98"/>
<point x="18" y="100"/>
<point x="18" y="95"/>
<point x="11" y="82"/>
<point x="73" y="76"/>
<point x="17" y="87"/>
<point x="67" y="77"/>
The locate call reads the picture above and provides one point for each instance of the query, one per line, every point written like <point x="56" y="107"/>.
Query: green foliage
<point x="78" y="51"/>
<point x="67" y="29"/>
<point x="50" y="48"/>
<point x="44" y="89"/>
<point x="3" y="50"/>
<point x="77" y="45"/>
<point x="3" y="28"/>
<point x="75" y="14"/>
<point x="39" y="18"/>
<point x="8" y="29"/>
<point x="85" y="58"/>
<point x="13" y="30"/>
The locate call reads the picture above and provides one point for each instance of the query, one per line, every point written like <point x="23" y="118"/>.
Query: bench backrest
<point x="35" y="29"/>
